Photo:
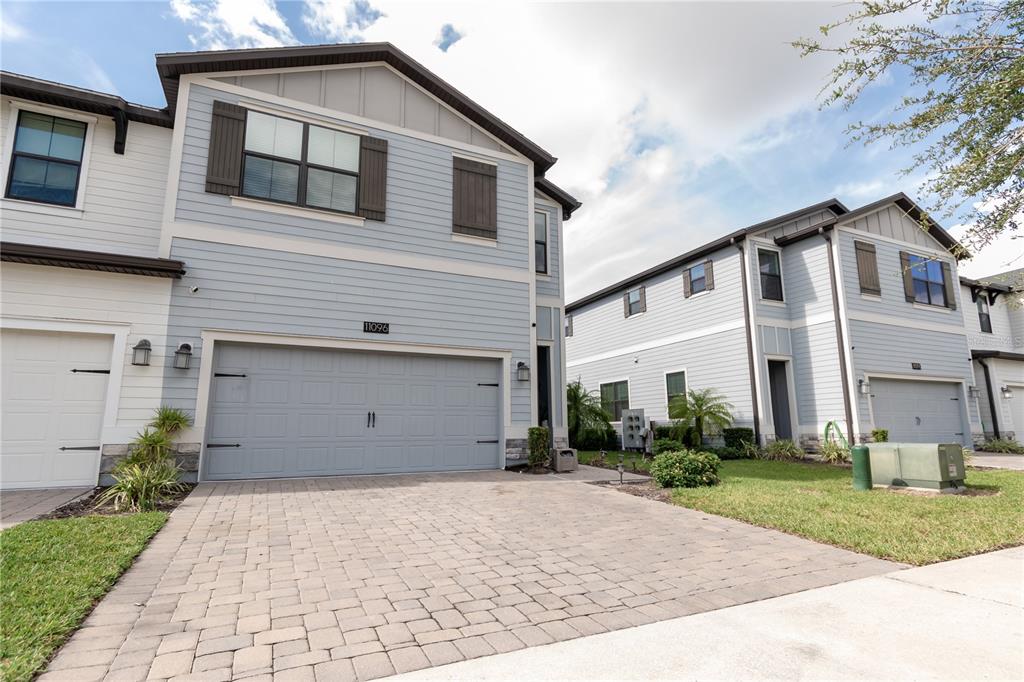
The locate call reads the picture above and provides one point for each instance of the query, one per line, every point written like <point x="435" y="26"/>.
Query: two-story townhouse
<point x="368" y="272"/>
<point x="995" y="328"/>
<point x="821" y="315"/>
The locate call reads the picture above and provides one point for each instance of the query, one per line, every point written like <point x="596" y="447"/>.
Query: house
<point x="335" y="260"/>
<point x="823" y="314"/>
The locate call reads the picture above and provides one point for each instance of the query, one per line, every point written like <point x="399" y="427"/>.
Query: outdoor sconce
<point x="523" y="371"/>
<point x="974" y="391"/>
<point x="183" y="356"/>
<point x="140" y="353"/>
<point x="865" y="387"/>
<point x="1007" y="392"/>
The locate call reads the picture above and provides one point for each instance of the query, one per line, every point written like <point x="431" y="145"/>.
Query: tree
<point x="962" y="114"/>
<point x="703" y="409"/>
<point x="585" y="412"/>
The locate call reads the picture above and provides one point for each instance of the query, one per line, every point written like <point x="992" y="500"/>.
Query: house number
<point x="376" y="327"/>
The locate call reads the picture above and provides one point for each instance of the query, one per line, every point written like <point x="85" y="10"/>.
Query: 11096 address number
<point x="377" y="327"/>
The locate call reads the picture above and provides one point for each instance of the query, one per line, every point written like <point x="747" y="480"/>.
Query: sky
<point x="673" y="123"/>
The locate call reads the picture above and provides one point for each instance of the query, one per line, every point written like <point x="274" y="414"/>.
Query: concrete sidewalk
<point x="992" y="460"/>
<point x="956" y="620"/>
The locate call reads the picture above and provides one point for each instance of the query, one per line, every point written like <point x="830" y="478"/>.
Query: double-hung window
<point x="298" y="163"/>
<point x="929" y="284"/>
<point x="615" y="399"/>
<point x="675" y="387"/>
<point x="771" y="274"/>
<point x="46" y="162"/>
<point x="984" y="317"/>
<point x="634" y="301"/>
<point x="540" y="243"/>
<point x="698" y="279"/>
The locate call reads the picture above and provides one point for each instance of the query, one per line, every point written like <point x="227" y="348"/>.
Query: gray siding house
<point x="824" y="314"/>
<point x="354" y="269"/>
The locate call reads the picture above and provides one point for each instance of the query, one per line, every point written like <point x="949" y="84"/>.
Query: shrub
<point x="150" y="446"/>
<point x="1003" y="445"/>
<point x="880" y="435"/>
<point x="171" y="420"/>
<point x="603" y="438"/>
<point x="140" y="486"/>
<point x="735" y="436"/>
<point x="781" y="449"/>
<point x="834" y="453"/>
<point x="538" y="439"/>
<point x="727" y="452"/>
<point x="666" y="445"/>
<point x="663" y="432"/>
<point x="685" y="469"/>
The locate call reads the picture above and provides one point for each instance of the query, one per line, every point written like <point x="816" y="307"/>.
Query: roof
<point x="998" y="354"/>
<point x="980" y="284"/>
<point x="918" y="214"/>
<point x="568" y="202"/>
<point x="34" y="254"/>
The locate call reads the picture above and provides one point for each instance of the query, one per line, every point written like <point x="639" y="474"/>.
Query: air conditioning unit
<point x="929" y="466"/>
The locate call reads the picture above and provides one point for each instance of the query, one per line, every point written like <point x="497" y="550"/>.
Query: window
<point x="634" y="301"/>
<point x="984" y="318"/>
<point x="675" y="386"/>
<point x="540" y="244"/>
<point x="47" y="159"/>
<point x="929" y="284"/>
<point x="771" y="274"/>
<point x="298" y="163"/>
<point x="568" y="326"/>
<point x="615" y="399"/>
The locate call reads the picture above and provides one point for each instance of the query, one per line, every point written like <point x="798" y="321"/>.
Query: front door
<point x="779" y="385"/>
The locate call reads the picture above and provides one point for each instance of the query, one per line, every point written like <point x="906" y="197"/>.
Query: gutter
<point x="750" y="342"/>
<point x="840" y="337"/>
<point x="991" y="397"/>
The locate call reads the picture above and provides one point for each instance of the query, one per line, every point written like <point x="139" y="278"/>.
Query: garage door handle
<point x="223" y="445"/>
<point x="367" y="419"/>
<point x="90" y="371"/>
<point x="87" y="447"/>
<point x="374" y="420"/>
<point x="487" y="441"/>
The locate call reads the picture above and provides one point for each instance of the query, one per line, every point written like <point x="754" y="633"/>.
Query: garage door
<point x="283" y="412"/>
<point x="54" y="394"/>
<point x="918" y="411"/>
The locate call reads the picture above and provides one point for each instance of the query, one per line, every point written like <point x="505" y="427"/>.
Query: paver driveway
<point x="342" y="578"/>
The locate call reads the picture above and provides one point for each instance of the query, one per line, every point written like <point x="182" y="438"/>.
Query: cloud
<point x="860" y="190"/>
<point x="227" y="24"/>
<point x="339" y="20"/>
<point x="12" y="32"/>
<point x="447" y="37"/>
<point x="92" y="75"/>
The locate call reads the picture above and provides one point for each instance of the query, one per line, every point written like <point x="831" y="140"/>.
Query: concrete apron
<point x="960" y="619"/>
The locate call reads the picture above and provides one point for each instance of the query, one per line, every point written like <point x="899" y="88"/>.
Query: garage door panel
<point x="918" y="411"/>
<point x="268" y="460"/>
<point x="420" y="426"/>
<point x="421" y="395"/>
<point x="79" y="426"/>
<point x="315" y="425"/>
<point x="269" y="425"/>
<point x="391" y="394"/>
<point x="423" y="366"/>
<point x="351" y="425"/>
<point x="316" y="392"/>
<point x="70" y="467"/>
<point x="388" y="426"/>
<point x="227" y="425"/>
<point x="313" y="459"/>
<point x="274" y="358"/>
<point x="353" y="393"/>
<point x="389" y="457"/>
<point x="318" y="361"/>
<point x="349" y="459"/>
<point x="231" y="390"/>
<point x="271" y="391"/>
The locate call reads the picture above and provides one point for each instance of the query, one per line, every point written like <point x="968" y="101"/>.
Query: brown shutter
<point x="686" y="283"/>
<point x="908" y="282"/>
<point x="867" y="268"/>
<point x="949" y="284"/>
<point x="224" y="160"/>
<point x="625" y="304"/>
<point x="475" y="198"/>
<point x="373" y="177"/>
<point x="643" y="299"/>
<point x="709" y="275"/>
<point x="568" y="326"/>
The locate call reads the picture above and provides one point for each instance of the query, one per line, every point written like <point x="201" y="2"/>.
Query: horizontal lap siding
<point x="1003" y="335"/>
<point x="806" y="277"/>
<point x="549" y="286"/>
<point x="419" y="199"/>
<point x="818" y="375"/>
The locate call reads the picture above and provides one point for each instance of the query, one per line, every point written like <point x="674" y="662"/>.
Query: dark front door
<point x="544" y="386"/>
<point x="779" y="384"/>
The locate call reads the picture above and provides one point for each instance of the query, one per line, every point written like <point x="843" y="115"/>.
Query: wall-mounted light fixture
<point x="974" y="391"/>
<point x="183" y="356"/>
<point x="522" y="371"/>
<point x="1007" y="392"/>
<point x="865" y="386"/>
<point x="140" y="353"/>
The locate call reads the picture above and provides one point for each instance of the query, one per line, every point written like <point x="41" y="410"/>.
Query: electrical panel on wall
<point x="634" y="430"/>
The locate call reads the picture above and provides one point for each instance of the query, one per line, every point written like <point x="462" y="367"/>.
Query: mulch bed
<point x="647" y="489"/>
<point x="86" y="505"/>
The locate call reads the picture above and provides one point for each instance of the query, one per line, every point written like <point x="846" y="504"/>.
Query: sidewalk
<point x="992" y="460"/>
<point x="956" y="620"/>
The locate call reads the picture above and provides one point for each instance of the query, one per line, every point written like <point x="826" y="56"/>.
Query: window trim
<point x="640" y="301"/>
<point x="547" y="240"/>
<point x="629" y="394"/>
<point x="14" y="112"/>
<point x="782" y="284"/>
<point x="942" y="275"/>
<point x="688" y="273"/>
<point x="686" y="386"/>
<point x="984" y="316"/>
<point x="567" y="325"/>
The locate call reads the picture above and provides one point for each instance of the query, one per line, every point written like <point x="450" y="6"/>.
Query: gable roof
<point x="910" y="207"/>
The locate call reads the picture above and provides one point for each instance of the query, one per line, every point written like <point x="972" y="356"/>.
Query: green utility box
<point x="930" y="466"/>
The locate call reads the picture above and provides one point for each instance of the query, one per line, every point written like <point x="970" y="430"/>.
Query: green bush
<point x="663" y="431"/>
<point x="834" y="453"/>
<point x="538" y="441"/>
<point x="599" y="439"/>
<point x="736" y="435"/>
<point x="666" y="445"/>
<point x="1003" y="445"/>
<point x="727" y="452"/>
<point x="685" y="469"/>
<point x="880" y="435"/>
<point x="140" y="486"/>
<point x="150" y="446"/>
<point x="171" y="420"/>
<point x="782" y="449"/>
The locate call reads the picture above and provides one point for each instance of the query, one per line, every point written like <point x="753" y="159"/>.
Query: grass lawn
<point x="634" y="462"/>
<point x="816" y="501"/>
<point x="51" y="574"/>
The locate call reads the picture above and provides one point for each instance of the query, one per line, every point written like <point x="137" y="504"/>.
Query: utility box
<point x="929" y="466"/>
<point x="564" y="459"/>
<point x="634" y="430"/>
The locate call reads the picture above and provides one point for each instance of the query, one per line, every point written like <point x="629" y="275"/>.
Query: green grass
<point x="816" y="501"/>
<point x="51" y="574"/>
<point x="634" y="462"/>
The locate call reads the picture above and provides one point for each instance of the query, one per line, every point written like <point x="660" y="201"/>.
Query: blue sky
<point x="674" y="123"/>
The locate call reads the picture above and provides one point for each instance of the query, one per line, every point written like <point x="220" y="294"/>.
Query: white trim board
<point x="657" y="343"/>
<point x="907" y="323"/>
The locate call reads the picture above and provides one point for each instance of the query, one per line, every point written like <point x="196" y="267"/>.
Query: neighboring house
<point x="340" y="264"/>
<point x="820" y="315"/>
<point x="995" y="329"/>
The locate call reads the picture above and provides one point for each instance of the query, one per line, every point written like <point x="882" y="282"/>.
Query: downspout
<point x="839" y="336"/>
<point x="991" y="397"/>
<point x="750" y="344"/>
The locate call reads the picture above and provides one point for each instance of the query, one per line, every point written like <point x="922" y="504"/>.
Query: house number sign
<point x="377" y="327"/>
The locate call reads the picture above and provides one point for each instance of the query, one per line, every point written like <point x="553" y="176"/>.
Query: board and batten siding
<point x="257" y="290"/>
<point x="795" y="225"/>
<point x="550" y="284"/>
<point x="123" y="204"/>
<point x="892" y="222"/>
<point x="419" y="198"/>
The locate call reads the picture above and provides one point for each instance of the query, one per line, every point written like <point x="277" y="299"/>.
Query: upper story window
<point x="771" y="274"/>
<point x="927" y="278"/>
<point x="47" y="159"/>
<point x="615" y="398"/>
<point x="698" y="278"/>
<point x="298" y="163"/>
<point x="984" y="317"/>
<point x="568" y="326"/>
<point x="634" y="301"/>
<point x="540" y="243"/>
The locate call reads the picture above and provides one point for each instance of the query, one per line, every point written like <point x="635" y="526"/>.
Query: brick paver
<point x="356" y="578"/>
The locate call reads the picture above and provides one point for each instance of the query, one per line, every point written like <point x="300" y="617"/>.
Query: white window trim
<point x="629" y="393"/>
<point x="298" y="211"/>
<point x="664" y="382"/>
<point x="473" y="239"/>
<point x="547" y="244"/>
<point x="794" y="419"/>
<point x="303" y="118"/>
<point x="630" y="315"/>
<point x="17" y="106"/>
<point x="933" y="308"/>
<point x="758" y="247"/>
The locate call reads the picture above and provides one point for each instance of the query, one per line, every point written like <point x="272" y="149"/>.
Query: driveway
<point x="362" y="577"/>
<point x="17" y="506"/>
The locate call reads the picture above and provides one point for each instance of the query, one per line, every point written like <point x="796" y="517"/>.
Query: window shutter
<point x="709" y="275"/>
<point x="686" y="283"/>
<point x="908" y="282"/>
<point x="373" y="177"/>
<point x="568" y="326"/>
<point x="867" y="268"/>
<point x="643" y="299"/>
<point x="625" y="304"/>
<point x="949" y="284"/>
<point x="224" y="160"/>
<point x="475" y="198"/>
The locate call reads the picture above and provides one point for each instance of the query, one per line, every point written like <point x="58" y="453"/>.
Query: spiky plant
<point x="171" y="420"/>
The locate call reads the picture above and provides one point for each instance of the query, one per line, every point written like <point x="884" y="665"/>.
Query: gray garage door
<point x="283" y="411"/>
<point x="918" y="411"/>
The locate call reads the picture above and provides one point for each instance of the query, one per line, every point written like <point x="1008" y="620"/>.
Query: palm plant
<point x="705" y="409"/>
<point x="170" y="420"/>
<point x="585" y="412"/>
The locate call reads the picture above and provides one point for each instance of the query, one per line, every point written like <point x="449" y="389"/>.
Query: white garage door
<point x="918" y="411"/>
<point x="54" y="394"/>
<point x="284" y="412"/>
